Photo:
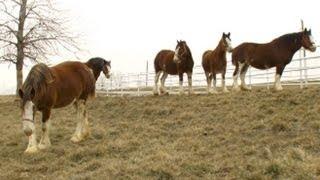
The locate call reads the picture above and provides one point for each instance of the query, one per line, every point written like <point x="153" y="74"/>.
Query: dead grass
<point x="246" y="135"/>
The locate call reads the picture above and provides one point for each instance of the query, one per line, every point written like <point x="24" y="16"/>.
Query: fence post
<point x="300" y="72"/>
<point x="147" y="73"/>
<point x="305" y="70"/>
<point x="138" y="83"/>
<point x="268" y="86"/>
<point x="250" y="76"/>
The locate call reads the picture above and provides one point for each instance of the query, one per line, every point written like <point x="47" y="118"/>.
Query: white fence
<point x="301" y="71"/>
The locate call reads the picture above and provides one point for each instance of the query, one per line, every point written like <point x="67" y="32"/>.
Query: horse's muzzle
<point x="313" y="48"/>
<point x="28" y="126"/>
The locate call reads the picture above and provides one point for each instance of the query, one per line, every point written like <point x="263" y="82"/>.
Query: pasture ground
<point x="245" y="135"/>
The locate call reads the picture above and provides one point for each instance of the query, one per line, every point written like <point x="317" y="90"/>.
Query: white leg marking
<point x="224" y="87"/>
<point x="32" y="146"/>
<point x="181" y="91"/>
<point x="243" y="79"/>
<point x="81" y="130"/>
<point x="156" y="79"/>
<point x="235" y="78"/>
<point x="214" y="86"/>
<point x="45" y="140"/>
<point x="190" y="83"/>
<point x="277" y="84"/>
<point x="163" y="80"/>
<point x="208" y="83"/>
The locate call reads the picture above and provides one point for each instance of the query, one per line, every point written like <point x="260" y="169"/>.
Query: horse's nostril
<point x="27" y="131"/>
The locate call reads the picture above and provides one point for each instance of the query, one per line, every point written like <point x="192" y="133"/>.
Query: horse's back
<point x="164" y="62"/>
<point x="73" y="80"/>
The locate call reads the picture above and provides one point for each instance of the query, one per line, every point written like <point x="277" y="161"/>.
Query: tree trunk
<point x="19" y="67"/>
<point x="20" y="44"/>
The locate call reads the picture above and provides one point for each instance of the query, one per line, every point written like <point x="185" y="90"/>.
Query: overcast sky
<point x="129" y="33"/>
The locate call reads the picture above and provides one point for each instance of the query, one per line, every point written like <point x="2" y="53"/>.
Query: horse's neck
<point x="293" y="45"/>
<point x="96" y="72"/>
<point x="220" y="50"/>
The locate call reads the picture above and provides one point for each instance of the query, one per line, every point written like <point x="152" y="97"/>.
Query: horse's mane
<point x="38" y="78"/>
<point x="95" y="63"/>
<point x="189" y="53"/>
<point x="288" y="38"/>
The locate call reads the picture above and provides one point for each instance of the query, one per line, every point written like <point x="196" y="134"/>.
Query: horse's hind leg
<point x="45" y="140"/>
<point x="156" y="79"/>
<point x="236" y="72"/>
<point x="277" y="83"/>
<point x="82" y="129"/>
<point x="189" y="74"/>
<point x="163" y="80"/>
<point x="243" y="72"/>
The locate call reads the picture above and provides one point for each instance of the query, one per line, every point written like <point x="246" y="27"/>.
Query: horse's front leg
<point x="45" y="140"/>
<point x="223" y="82"/>
<point x="82" y="129"/>
<point x="277" y="83"/>
<point x="189" y="74"/>
<point x="28" y="126"/>
<point x="181" y="91"/>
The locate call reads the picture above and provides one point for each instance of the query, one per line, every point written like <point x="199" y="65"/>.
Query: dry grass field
<point x="246" y="135"/>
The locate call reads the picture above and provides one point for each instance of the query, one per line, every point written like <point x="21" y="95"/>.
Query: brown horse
<point x="214" y="62"/>
<point x="55" y="87"/>
<point x="174" y="63"/>
<point x="277" y="53"/>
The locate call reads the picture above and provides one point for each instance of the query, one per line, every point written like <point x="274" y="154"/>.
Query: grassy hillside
<point x="247" y="135"/>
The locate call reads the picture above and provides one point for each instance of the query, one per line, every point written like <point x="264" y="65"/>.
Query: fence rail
<point x="301" y="71"/>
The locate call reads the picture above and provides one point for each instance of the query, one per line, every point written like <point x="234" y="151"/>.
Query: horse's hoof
<point x="278" y="89"/>
<point x="213" y="92"/>
<point x="164" y="93"/>
<point x="43" y="146"/>
<point x="31" y="150"/>
<point x="236" y="89"/>
<point x="191" y="93"/>
<point x="225" y="91"/>
<point x="75" y="139"/>
<point x="245" y="88"/>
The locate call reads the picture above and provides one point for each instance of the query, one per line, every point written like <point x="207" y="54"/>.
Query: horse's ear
<point x="20" y="93"/>
<point x="223" y="34"/>
<point x="32" y="93"/>
<point x="177" y="41"/>
<point x="305" y="30"/>
<point x="229" y="34"/>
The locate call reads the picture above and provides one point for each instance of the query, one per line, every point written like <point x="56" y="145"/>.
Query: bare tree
<point x="32" y="30"/>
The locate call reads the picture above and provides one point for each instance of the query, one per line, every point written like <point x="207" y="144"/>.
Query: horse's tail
<point x="38" y="78"/>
